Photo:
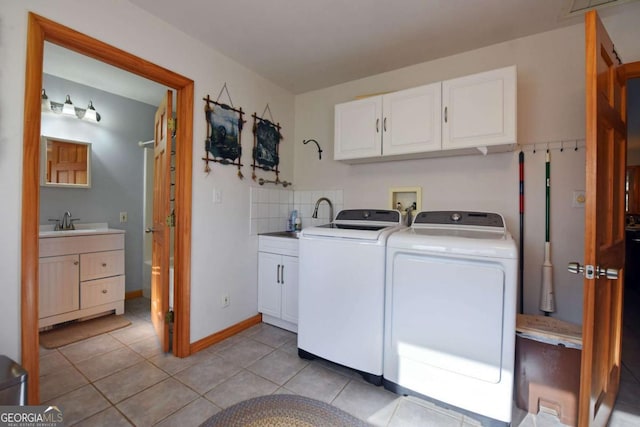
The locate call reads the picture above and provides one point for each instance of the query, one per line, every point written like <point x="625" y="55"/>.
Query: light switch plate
<point x="123" y="217"/>
<point x="217" y="195"/>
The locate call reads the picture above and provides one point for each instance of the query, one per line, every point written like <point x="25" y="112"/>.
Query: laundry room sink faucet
<point x="315" y="210"/>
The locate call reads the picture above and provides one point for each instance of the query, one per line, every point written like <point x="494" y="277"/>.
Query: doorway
<point x="40" y="30"/>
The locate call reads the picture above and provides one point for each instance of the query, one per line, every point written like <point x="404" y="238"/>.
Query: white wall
<point x="224" y="255"/>
<point x="550" y="108"/>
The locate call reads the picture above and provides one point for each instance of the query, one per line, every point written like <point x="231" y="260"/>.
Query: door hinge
<point x="171" y="219"/>
<point x="172" y="124"/>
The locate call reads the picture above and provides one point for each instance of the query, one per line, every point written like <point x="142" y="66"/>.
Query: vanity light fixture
<point x="68" y="109"/>
<point x="91" y="114"/>
<point x="46" y="105"/>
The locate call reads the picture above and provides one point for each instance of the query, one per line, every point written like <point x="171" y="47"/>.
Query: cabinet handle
<point x="104" y="264"/>
<point x="384" y="124"/>
<point x="278" y="274"/>
<point x="76" y="262"/>
<point x="282" y="275"/>
<point x="446" y="110"/>
<point x="104" y="291"/>
<point x="377" y="125"/>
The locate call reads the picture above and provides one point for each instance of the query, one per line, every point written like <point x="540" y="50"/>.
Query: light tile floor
<point x="122" y="378"/>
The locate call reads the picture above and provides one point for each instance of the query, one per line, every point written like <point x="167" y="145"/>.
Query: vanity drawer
<point x="97" y="265"/>
<point x="101" y="291"/>
<point x="54" y="246"/>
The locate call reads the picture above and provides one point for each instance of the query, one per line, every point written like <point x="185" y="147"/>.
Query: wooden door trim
<point x="631" y="70"/>
<point x="39" y="30"/>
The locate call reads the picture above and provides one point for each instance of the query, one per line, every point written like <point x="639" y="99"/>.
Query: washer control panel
<point x="479" y="219"/>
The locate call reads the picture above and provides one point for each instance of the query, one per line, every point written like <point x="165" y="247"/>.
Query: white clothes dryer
<point x="450" y="312"/>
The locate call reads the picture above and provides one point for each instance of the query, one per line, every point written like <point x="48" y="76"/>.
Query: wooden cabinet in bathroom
<point x="80" y="276"/>
<point x="278" y="281"/>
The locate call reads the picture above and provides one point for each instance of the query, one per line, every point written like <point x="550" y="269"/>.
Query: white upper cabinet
<point x="479" y="110"/>
<point x="411" y="120"/>
<point x="397" y="123"/>
<point x="358" y="129"/>
<point x="471" y="114"/>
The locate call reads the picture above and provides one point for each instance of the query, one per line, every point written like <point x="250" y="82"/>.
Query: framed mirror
<point x="65" y="163"/>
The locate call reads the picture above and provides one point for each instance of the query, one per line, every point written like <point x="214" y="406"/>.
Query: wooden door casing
<point x="604" y="225"/>
<point x="39" y="30"/>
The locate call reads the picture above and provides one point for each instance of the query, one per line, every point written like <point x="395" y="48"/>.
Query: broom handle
<point x="521" y="252"/>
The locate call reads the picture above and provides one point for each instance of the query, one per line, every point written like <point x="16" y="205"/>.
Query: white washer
<point x="341" y="289"/>
<point x="450" y="312"/>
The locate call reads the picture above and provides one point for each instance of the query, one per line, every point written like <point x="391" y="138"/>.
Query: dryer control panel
<point x="478" y="219"/>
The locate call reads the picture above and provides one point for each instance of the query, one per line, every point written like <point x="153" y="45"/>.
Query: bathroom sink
<point x="80" y="230"/>
<point x="288" y="234"/>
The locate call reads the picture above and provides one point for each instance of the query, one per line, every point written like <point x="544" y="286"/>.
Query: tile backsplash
<point x="271" y="207"/>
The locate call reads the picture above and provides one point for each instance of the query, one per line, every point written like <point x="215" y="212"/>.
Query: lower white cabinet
<point x="278" y="281"/>
<point x="80" y="276"/>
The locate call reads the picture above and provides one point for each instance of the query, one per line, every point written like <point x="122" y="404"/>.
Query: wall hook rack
<point x="319" y="149"/>
<point x="285" y="184"/>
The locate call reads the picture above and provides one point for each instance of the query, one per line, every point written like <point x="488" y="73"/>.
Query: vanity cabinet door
<point x="59" y="285"/>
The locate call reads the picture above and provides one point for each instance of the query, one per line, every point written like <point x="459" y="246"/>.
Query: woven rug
<point x="78" y="331"/>
<point x="283" y="410"/>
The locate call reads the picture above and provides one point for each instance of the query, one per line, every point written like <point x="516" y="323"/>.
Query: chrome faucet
<point x="409" y="211"/>
<point x="315" y="210"/>
<point x="67" y="221"/>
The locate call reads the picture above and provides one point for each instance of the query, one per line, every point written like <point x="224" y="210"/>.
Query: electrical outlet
<point x="225" y="300"/>
<point x="123" y="217"/>
<point x="578" y="199"/>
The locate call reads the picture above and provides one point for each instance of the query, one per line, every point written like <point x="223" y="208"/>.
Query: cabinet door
<point x="412" y="120"/>
<point x="358" y="129"/>
<point x="269" y="287"/>
<point x="289" y="277"/>
<point x="59" y="285"/>
<point x="480" y="109"/>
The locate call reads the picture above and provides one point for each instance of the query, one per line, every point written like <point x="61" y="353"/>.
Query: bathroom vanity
<point x="81" y="273"/>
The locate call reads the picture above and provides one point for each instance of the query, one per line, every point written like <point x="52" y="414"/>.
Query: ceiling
<point x="303" y="45"/>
